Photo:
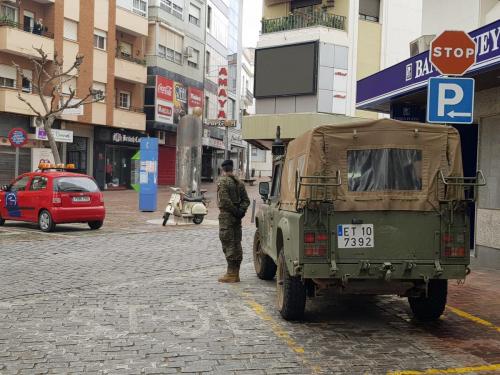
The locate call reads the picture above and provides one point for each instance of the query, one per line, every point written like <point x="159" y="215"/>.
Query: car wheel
<point x="265" y="268"/>
<point x="45" y="221"/>
<point x="165" y="218"/>
<point x="94" y="225"/>
<point x="198" y="219"/>
<point x="291" y="292"/>
<point x="430" y="307"/>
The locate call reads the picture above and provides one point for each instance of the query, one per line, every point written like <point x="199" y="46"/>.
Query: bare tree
<point x="47" y="82"/>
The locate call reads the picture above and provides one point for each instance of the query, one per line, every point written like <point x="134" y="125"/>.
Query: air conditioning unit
<point x="188" y="52"/>
<point x="421" y="44"/>
<point x="160" y="134"/>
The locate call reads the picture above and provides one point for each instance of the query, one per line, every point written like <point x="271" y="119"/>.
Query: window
<point x="162" y="50"/>
<point x="174" y="7"/>
<point x="26" y="80"/>
<point x="99" y="91"/>
<point x="28" y="21"/>
<point x="124" y="99"/>
<point x="178" y="58"/>
<point x="207" y="62"/>
<point x="100" y="39"/>
<point x="193" y="61"/>
<point x="140" y="7"/>
<point x="75" y="184"/>
<point x="8" y="76"/>
<point x="384" y="169"/>
<point x="194" y="14"/>
<point x="38" y="183"/>
<point x="369" y="10"/>
<point x="275" y="188"/>
<point x="209" y="17"/>
<point x="172" y="43"/>
<point x="70" y="29"/>
<point x="8" y="13"/>
<point x="20" y="185"/>
<point x="125" y="49"/>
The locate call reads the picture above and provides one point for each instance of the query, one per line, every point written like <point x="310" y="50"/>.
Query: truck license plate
<point x="81" y="199"/>
<point x="354" y="236"/>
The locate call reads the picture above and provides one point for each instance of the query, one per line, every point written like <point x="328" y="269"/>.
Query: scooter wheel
<point x="198" y="219"/>
<point x="165" y="218"/>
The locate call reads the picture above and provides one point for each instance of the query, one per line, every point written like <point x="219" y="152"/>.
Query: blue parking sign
<point x="450" y="100"/>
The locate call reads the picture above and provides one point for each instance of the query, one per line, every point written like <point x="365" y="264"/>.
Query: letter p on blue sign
<point x="450" y="100"/>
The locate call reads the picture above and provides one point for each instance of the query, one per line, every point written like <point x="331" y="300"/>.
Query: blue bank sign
<point x="450" y="100"/>
<point x="412" y="74"/>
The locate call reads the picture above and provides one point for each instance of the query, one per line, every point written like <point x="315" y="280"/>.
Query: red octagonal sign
<point x="453" y="52"/>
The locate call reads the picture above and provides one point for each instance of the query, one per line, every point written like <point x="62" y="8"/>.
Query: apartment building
<point x="223" y="50"/>
<point x="111" y="35"/>
<point x="176" y="66"/>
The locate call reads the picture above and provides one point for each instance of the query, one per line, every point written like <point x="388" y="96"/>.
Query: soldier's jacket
<point x="231" y="196"/>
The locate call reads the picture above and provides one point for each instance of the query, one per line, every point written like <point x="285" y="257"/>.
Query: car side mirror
<point x="5" y="187"/>
<point x="264" y="190"/>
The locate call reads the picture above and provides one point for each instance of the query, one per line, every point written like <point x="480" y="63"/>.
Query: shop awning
<point x="406" y="82"/>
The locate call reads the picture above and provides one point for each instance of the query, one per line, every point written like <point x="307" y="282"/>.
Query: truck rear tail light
<point x="447" y="238"/>
<point x="56" y="199"/>
<point x="309" y="237"/>
<point x="454" y="251"/>
<point x="322" y="237"/>
<point x="315" y="251"/>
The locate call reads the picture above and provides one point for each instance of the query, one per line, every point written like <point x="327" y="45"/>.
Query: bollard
<point x="253" y="211"/>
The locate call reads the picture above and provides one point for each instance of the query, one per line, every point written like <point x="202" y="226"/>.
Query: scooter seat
<point x="193" y="199"/>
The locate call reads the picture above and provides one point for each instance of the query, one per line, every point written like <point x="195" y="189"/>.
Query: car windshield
<point x="75" y="184"/>
<point x="384" y="169"/>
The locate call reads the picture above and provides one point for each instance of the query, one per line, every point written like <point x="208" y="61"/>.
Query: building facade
<point x="401" y="91"/>
<point x="111" y="35"/>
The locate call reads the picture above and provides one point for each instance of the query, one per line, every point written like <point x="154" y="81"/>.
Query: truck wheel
<point x="263" y="263"/>
<point x="45" y="221"/>
<point x="431" y="307"/>
<point x="291" y="292"/>
<point x="165" y="218"/>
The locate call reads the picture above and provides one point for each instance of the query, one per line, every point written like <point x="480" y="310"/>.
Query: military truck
<point x="372" y="207"/>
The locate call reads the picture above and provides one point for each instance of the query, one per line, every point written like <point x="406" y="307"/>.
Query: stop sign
<point x="453" y="52"/>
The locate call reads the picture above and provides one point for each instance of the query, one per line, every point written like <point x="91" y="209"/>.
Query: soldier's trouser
<point x="230" y="237"/>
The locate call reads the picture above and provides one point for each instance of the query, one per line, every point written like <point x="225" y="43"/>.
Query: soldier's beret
<point x="227" y="163"/>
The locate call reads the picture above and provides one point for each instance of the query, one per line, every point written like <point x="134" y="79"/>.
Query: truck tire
<point x="263" y="263"/>
<point x="291" y="292"/>
<point x="431" y="307"/>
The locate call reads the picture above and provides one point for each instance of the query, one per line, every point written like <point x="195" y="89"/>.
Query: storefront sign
<point x="18" y="137"/>
<point x="222" y="92"/>
<point x="164" y="111"/>
<point x="412" y="74"/>
<point x="221" y="123"/>
<point x="59" y="135"/>
<point x="195" y="99"/>
<point x="124" y="138"/>
<point x="212" y="142"/>
<point x="78" y="111"/>
<point x="180" y="101"/>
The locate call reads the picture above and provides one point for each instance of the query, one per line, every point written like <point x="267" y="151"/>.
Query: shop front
<point x="9" y="121"/>
<point x="113" y="153"/>
<point x="401" y="91"/>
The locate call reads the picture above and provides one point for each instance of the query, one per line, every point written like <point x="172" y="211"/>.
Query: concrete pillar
<point x="189" y="151"/>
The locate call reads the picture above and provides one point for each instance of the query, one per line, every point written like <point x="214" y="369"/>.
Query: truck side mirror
<point x="264" y="190"/>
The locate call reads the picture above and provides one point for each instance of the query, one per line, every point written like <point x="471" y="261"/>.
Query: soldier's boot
<point x="232" y="274"/>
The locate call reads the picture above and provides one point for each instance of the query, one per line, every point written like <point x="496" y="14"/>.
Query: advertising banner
<point x="180" y="101"/>
<point x="195" y="99"/>
<point x="164" y="111"/>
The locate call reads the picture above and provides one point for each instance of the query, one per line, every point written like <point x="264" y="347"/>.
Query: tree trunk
<point x="47" y="125"/>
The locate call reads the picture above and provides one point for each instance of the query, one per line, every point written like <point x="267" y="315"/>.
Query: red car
<point x="52" y="196"/>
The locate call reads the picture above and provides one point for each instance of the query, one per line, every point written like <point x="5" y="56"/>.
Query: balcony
<point x="20" y="41"/>
<point x="129" y="118"/>
<point x="131" y="22"/>
<point x="9" y="102"/>
<point x="302" y="20"/>
<point x="130" y="69"/>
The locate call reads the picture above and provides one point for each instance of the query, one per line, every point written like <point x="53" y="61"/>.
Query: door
<point x="166" y="165"/>
<point x="37" y="197"/>
<point x="29" y="21"/>
<point x="15" y="200"/>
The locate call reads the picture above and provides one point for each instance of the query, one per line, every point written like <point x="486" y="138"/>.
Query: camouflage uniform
<point x="232" y="198"/>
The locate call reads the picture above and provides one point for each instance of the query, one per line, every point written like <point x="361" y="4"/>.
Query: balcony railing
<point x="126" y="56"/>
<point x="301" y="20"/>
<point x="42" y="31"/>
<point x="130" y="108"/>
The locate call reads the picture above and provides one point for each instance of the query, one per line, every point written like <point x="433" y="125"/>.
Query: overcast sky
<point x="252" y="14"/>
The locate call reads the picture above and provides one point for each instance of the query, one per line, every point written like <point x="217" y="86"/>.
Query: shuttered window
<point x="8" y="75"/>
<point x="194" y="14"/>
<point x="100" y="39"/>
<point x="70" y="29"/>
<point x="173" y="43"/>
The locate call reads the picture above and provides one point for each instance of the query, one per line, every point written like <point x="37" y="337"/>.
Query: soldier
<point x="233" y="202"/>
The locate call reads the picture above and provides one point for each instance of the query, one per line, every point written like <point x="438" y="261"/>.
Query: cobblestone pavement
<point x="149" y="302"/>
<point x="136" y="298"/>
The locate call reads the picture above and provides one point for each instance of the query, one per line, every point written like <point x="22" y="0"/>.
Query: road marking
<point x="456" y="370"/>
<point x="472" y="318"/>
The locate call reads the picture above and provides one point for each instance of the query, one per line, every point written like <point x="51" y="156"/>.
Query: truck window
<point x="384" y="169"/>
<point x="275" y="188"/>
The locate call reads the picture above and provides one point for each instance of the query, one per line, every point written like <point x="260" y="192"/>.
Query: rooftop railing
<point x="301" y="20"/>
